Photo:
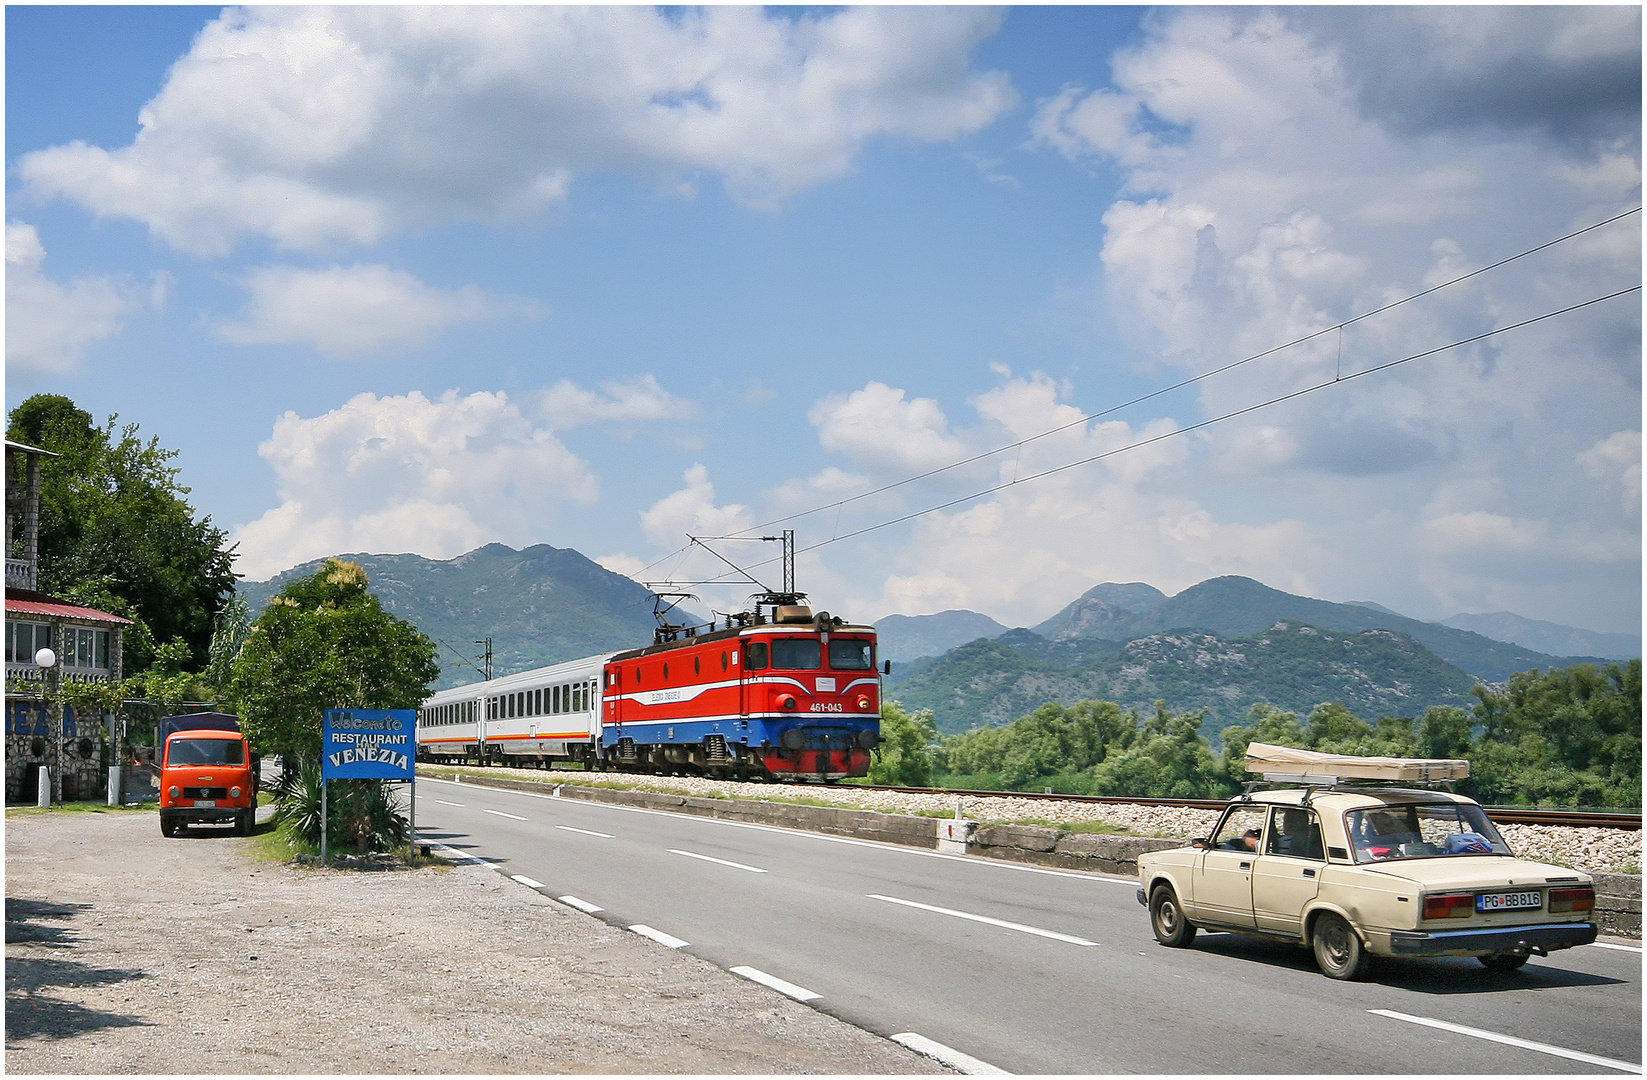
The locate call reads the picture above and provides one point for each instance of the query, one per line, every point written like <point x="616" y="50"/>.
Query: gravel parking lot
<point x="129" y="953"/>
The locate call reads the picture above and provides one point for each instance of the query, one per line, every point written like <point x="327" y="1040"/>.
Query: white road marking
<point x="962" y="1063"/>
<point x="711" y="858"/>
<point x="1037" y="931"/>
<point x="528" y="882"/>
<point x="461" y="856"/>
<point x="500" y="813"/>
<point x="659" y="936"/>
<point x="799" y="993"/>
<point x="587" y="832"/>
<point x="882" y="845"/>
<point x="582" y="905"/>
<point x="1620" y="948"/>
<point x="1511" y="1040"/>
<point x="443" y="802"/>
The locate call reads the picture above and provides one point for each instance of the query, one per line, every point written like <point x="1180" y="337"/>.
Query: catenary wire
<point x="1087" y="418"/>
<point x="1206" y="423"/>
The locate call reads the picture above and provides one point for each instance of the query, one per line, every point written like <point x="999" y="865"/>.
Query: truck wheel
<point x="1504" y="961"/>
<point x="1166" y="918"/>
<point x="243" y="823"/>
<point x="1338" y="951"/>
<point x="168" y="827"/>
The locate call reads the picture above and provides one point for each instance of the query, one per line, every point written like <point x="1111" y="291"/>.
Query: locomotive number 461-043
<point x="826" y="707"/>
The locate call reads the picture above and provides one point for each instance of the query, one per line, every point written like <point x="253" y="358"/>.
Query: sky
<point x="923" y="284"/>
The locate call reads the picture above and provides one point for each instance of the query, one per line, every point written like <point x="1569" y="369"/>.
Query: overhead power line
<point x="1336" y="380"/>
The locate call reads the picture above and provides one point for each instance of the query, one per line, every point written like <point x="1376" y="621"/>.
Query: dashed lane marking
<point x="1620" y="948"/>
<point x="1511" y="1040"/>
<point x="500" y="813"/>
<point x="463" y="856"/>
<point x="1020" y="927"/>
<point x="937" y="1051"/>
<point x="587" y="832"/>
<point x="659" y="936"/>
<point x="582" y="905"/>
<point x="799" y="993"/>
<point x="711" y="858"/>
<point x="528" y="882"/>
<point x="443" y="802"/>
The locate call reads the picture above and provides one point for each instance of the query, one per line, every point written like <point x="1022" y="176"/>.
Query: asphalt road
<point x="1034" y="970"/>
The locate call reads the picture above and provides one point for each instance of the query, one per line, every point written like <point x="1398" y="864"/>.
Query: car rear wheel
<point x="1166" y="918"/>
<point x="1504" y="961"/>
<point x="1338" y="950"/>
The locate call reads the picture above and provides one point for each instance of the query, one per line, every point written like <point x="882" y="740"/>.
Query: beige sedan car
<point x="1355" y="872"/>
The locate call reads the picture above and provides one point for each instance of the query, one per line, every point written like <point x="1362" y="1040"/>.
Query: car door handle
<point x="1246" y="866"/>
<point x="1309" y="873"/>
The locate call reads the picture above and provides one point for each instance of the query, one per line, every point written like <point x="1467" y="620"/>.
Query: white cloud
<point x="355" y="311"/>
<point x="635" y="400"/>
<point x="49" y="326"/>
<point x="338" y="126"/>
<point x="881" y="431"/>
<point x="692" y="511"/>
<point x="1618" y="456"/>
<point x="410" y="474"/>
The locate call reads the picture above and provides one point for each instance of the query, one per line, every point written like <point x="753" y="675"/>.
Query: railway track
<point x="1500" y="815"/>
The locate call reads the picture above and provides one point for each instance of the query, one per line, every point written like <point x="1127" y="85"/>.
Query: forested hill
<point x="1290" y="665"/>
<point x="1235" y="607"/>
<point x="539" y="606"/>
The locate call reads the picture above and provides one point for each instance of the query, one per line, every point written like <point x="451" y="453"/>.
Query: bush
<point x="363" y="813"/>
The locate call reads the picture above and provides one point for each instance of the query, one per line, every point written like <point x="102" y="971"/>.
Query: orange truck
<point x="207" y="773"/>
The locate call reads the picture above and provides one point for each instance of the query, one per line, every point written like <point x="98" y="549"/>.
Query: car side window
<point x="1241" y="828"/>
<point x="1294" y="831"/>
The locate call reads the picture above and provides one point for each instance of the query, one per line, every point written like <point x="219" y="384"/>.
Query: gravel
<point x="1589" y="849"/>
<point x="129" y="953"/>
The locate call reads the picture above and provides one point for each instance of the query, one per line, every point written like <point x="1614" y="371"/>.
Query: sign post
<point x="368" y="744"/>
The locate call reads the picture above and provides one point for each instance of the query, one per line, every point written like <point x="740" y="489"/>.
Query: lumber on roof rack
<point x="1311" y="766"/>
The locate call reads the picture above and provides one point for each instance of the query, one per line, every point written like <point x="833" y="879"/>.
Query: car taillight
<point x="1449" y="906"/>
<point x="175" y="792"/>
<point x="1583" y="899"/>
<point x="234" y="793"/>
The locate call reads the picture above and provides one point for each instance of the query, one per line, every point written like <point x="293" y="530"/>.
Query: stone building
<point x="86" y="641"/>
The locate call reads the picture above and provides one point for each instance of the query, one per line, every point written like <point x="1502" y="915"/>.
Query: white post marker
<point x="937" y="1051"/>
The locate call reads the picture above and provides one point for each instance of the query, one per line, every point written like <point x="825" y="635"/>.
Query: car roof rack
<point x="1284" y="764"/>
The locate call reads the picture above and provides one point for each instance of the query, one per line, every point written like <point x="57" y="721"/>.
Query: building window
<point x="24" y="639"/>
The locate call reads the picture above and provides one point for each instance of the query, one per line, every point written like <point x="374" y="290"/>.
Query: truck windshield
<point x="1422" y="830"/>
<point x="206" y="752"/>
<point x="850" y="654"/>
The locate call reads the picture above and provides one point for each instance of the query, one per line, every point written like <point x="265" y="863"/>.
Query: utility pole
<point x="789" y="560"/>
<point x="487" y="656"/>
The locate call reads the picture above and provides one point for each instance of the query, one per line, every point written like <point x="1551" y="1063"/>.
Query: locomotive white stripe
<point x="659" y="936"/>
<point x="1511" y="1040"/>
<point x="710" y="858"/>
<point x="587" y="832"/>
<point x="500" y="813"/>
<point x="799" y="993"/>
<point x="937" y="1051"/>
<point x="582" y="905"/>
<point x="1020" y="927"/>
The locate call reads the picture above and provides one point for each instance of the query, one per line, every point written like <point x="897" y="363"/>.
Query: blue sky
<point x="419" y="279"/>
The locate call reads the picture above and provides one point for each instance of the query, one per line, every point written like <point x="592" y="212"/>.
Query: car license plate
<point x="205" y="802"/>
<point x="1509" y="901"/>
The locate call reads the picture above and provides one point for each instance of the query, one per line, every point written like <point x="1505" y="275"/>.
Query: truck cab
<point x="207" y="774"/>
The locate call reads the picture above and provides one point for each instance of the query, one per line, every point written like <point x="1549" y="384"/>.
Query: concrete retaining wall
<point x="1618" y="896"/>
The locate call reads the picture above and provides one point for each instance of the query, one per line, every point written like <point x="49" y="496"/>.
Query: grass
<point x="81" y="808"/>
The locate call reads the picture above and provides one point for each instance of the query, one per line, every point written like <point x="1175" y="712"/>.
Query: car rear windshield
<point x="206" y="752"/>
<point x="850" y="654"/>
<point x="1422" y="830"/>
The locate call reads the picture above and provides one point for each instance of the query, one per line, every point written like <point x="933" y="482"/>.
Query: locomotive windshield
<point x="848" y="654"/>
<point x="796" y="654"/>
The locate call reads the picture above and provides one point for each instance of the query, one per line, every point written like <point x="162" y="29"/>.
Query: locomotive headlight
<point x="863" y="704"/>
<point x="787" y="703"/>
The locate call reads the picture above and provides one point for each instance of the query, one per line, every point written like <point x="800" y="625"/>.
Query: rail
<point x="1500" y="815"/>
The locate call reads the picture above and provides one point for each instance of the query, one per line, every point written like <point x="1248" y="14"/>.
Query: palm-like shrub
<point x="361" y="813"/>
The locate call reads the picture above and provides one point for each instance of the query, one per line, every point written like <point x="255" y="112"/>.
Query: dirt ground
<point x="129" y="953"/>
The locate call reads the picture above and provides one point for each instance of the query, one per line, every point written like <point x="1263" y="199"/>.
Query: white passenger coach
<point x="540" y="715"/>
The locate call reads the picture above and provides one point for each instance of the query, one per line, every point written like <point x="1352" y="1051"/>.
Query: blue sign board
<point x="368" y="744"/>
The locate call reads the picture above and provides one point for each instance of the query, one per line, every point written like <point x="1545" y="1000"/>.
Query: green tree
<point x="904" y="757"/>
<point x="325" y="643"/>
<point x="114" y="524"/>
<point x="1169" y="759"/>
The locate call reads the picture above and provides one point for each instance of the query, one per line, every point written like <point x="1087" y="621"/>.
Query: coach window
<point x="796" y="654"/>
<point x="554" y="699"/>
<point x="757" y="655"/>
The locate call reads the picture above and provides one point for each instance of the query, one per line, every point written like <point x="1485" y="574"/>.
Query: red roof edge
<point x="28" y="602"/>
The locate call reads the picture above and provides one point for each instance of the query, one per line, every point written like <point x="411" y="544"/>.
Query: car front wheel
<point x="1338" y="950"/>
<point x="1166" y="918"/>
